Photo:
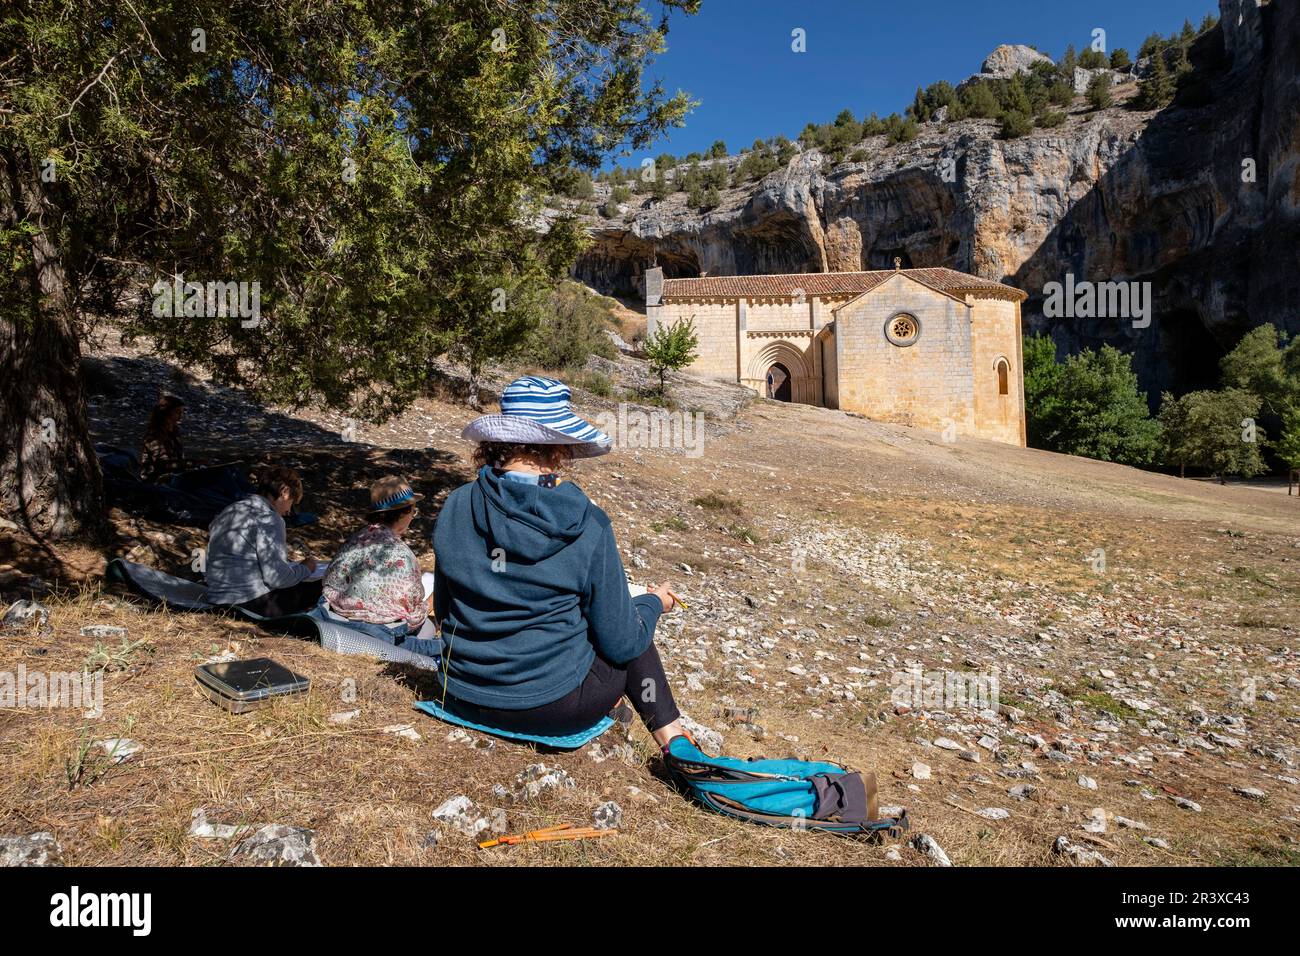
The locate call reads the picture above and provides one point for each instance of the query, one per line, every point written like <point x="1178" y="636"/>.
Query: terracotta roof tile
<point x="827" y="283"/>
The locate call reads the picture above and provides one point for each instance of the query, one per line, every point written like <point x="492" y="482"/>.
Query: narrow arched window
<point x="1003" y="373"/>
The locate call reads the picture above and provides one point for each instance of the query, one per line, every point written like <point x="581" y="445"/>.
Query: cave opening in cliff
<point x="1187" y="354"/>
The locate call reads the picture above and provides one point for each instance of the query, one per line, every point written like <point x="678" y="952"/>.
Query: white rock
<point x="103" y="631"/>
<point x="278" y="845"/>
<point x="608" y="816"/>
<point x="1079" y="854"/>
<point x="405" y="731"/>
<point x="930" y="847"/>
<point x="120" y="748"/>
<point x="202" y="829"/>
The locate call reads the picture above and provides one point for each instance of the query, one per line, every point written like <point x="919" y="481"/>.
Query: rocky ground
<point x="1115" y="652"/>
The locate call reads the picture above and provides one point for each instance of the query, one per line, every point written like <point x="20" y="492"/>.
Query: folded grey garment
<point x="344" y="640"/>
<point x="191" y="596"/>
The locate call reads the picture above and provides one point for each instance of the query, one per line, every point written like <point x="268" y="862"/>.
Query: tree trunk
<point x="50" y="480"/>
<point x="473" y="389"/>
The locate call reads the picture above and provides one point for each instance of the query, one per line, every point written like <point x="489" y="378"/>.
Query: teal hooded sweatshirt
<point x="529" y="588"/>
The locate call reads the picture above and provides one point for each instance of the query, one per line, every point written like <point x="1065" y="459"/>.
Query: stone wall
<point x="948" y="377"/>
<point x="928" y="384"/>
<point x="995" y="337"/>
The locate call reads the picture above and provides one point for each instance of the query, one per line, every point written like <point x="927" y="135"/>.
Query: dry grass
<point x="1004" y="536"/>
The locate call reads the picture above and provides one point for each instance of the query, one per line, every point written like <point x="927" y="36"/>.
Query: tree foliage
<point x="1214" y="431"/>
<point x="671" y="347"/>
<point x="573" y="327"/>
<point x="375" y="170"/>
<point x="1264" y="363"/>
<point x="1089" y="405"/>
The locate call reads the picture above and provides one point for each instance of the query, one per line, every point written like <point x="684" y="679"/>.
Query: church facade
<point x="934" y="348"/>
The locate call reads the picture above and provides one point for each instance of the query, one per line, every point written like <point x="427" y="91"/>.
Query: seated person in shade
<point x="163" y="461"/>
<point x="374" y="584"/>
<point x="247" y="562"/>
<point x="541" y="632"/>
<point x="161" y="452"/>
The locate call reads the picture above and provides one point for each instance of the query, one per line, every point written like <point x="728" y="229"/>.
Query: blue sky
<point x="735" y="56"/>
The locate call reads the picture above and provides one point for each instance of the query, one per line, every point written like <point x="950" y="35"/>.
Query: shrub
<point x="672" y="347"/>
<point x="1093" y="59"/>
<point x="1099" y="91"/>
<point x="1016" y="124"/>
<point x="1204" y="429"/>
<point x="597" y="383"/>
<point x="572" y="329"/>
<point x="1089" y="405"/>
<point x="713" y="501"/>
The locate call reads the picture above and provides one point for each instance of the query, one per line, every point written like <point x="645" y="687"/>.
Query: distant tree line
<point x="1091" y="405"/>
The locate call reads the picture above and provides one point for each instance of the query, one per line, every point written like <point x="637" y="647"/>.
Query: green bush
<point x="1051" y="119"/>
<point x="597" y="383"/>
<point x="1091" y="59"/>
<point x="572" y="329"/>
<point x="1088" y="405"/>
<point x="671" y="347"/>
<point x="1099" y="91"/>
<point x="574" y="183"/>
<point x="1016" y="124"/>
<point x="1205" y="430"/>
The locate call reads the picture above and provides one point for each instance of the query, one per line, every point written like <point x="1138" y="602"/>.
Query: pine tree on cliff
<point x="1156" y="91"/>
<point x="366" y="177"/>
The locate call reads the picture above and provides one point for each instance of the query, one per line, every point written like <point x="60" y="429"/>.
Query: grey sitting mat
<point x="185" y="595"/>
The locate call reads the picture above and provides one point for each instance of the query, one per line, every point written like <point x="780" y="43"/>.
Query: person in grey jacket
<point x="247" y="564"/>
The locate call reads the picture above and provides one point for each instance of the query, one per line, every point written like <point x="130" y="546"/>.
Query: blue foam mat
<point x="569" y="742"/>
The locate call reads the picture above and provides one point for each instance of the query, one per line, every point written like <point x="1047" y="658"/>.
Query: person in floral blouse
<point x="374" y="584"/>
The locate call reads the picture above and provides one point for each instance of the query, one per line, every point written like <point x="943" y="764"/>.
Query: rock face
<point x="1010" y="59"/>
<point x="1113" y="195"/>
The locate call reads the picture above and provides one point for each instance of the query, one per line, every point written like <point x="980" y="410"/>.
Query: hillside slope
<point x="822" y="555"/>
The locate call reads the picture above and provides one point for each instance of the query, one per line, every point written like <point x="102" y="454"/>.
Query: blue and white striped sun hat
<point x="536" y="411"/>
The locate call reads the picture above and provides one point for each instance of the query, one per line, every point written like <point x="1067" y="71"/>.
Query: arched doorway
<point x="783" y="371"/>
<point x="779" y="383"/>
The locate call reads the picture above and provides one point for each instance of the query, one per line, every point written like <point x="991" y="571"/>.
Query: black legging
<point x="303" y="596"/>
<point x="641" y="680"/>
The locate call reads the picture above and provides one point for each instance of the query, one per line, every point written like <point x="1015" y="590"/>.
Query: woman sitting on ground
<point x="541" y="634"/>
<point x="374" y="584"/>
<point x="247" y="563"/>
<point x="163" y="462"/>
<point x="161" y="452"/>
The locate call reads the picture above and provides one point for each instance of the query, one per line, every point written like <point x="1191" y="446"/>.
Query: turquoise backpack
<point x="800" y="794"/>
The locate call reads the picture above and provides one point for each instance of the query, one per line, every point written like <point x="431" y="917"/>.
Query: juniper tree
<point x="1099" y="96"/>
<point x="374" y="167"/>
<point x="1088" y="405"/>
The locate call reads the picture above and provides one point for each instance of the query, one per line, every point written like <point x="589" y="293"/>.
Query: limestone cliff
<point x="1113" y="195"/>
